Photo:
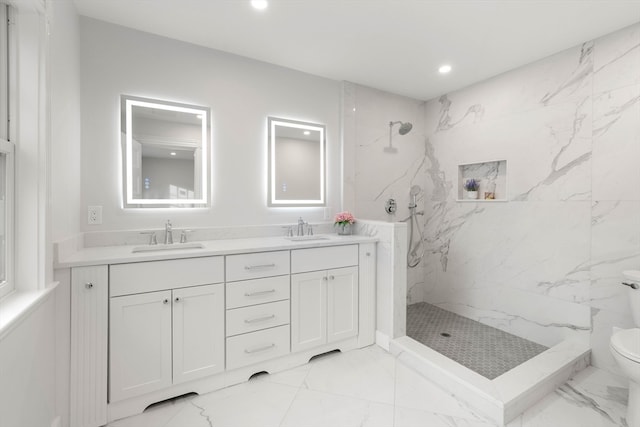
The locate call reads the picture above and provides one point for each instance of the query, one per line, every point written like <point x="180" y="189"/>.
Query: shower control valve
<point x="390" y="207"/>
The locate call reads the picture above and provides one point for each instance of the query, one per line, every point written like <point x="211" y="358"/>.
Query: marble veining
<point x="583" y="70"/>
<point x="446" y="122"/>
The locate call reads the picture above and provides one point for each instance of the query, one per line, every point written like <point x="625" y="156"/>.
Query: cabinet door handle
<point x="165" y="301"/>
<point x="88" y="285"/>
<point x="253" y="294"/>
<point x="177" y="299"/>
<point x="260" y="319"/>
<point x="324" y="279"/>
<point x="256" y="267"/>
<point x="331" y="277"/>
<point x="258" y="349"/>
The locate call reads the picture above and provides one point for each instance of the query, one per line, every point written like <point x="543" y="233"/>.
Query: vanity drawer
<point x="260" y="264"/>
<point x="257" y="317"/>
<point x="247" y="349"/>
<point x="315" y="259"/>
<point x="139" y="277"/>
<point x="257" y="291"/>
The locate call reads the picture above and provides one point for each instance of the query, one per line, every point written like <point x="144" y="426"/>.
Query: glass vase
<point x="344" y="229"/>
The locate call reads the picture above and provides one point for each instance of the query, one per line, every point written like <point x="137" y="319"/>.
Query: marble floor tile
<point x="369" y="388"/>
<point x="250" y="404"/>
<point x="318" y="409"/>
<point x="366" y="374"/>
<point x="593" y="398"/>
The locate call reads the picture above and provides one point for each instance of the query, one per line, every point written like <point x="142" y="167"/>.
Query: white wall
<point x="241" y="94"/>
<point x="65" y="121"/>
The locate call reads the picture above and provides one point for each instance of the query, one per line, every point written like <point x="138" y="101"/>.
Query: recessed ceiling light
<point x="173" y="153"/>
<point x="306" y="132"/>
<point x="444" y="69"/>
<point x="259" y="4"/>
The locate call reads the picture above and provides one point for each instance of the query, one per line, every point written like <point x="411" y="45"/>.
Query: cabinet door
<point x="89" y="325"/>
<point x="198" y="332"/>
<point x="308" y="310"/>
<point x="342" y="303"/>
<point x="140" y="344"/>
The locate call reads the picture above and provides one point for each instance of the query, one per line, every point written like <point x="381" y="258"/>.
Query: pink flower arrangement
<point x="344" y="218"/>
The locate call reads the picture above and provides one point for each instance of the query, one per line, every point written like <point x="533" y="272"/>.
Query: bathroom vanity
<point x="148" y="326"/>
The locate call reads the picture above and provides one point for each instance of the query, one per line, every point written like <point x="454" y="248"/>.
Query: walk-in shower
<point x="405" y="128"/>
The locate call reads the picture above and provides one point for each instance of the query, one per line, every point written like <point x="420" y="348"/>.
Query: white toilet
<point x="625" y="347"/>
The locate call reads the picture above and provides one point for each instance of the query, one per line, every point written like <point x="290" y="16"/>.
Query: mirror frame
<point x="271" y="192"/>
<point x="127" y="104"/>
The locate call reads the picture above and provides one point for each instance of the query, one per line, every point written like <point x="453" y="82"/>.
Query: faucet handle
<point x="183" y="235"/>
<point x="309" y="229"/>
<point x="289" y="230"/>
<point x="152" y="237"/>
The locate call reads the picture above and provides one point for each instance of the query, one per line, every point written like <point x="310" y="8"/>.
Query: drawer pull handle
<point x="258" y="349"/>
<point x="257" y="267"/>
<point x="88" y="285"/>
<point x="253" y="294"/>
<point x="260" y="319"/>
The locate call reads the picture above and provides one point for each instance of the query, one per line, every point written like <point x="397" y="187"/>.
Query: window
<point x="6" y="161"/>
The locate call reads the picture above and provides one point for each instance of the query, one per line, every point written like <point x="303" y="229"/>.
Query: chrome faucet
<point x="168" y="233"/>
<point x="300" y="227"/>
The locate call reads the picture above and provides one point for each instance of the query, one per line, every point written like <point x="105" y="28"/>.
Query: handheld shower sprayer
<point x="413" y="193"/>
<point x="405" y="128"/>
<point x="416" y="249"/>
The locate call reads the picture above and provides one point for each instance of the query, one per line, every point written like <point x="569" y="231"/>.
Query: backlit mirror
<point x="296" y="163"/>
<point x="165" y="153"/>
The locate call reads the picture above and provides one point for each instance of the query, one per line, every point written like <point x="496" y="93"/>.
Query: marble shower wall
<point x="371" y="175"/>
<point x="546" y="263"/>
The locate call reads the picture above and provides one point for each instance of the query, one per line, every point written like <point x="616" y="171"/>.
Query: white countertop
<point x="123" y="253"/>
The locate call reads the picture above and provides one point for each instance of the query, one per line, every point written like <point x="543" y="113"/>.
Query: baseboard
<point x="382" y="340"/>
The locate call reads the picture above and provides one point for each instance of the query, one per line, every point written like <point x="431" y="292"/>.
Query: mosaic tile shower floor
<point x="486" y="350"/>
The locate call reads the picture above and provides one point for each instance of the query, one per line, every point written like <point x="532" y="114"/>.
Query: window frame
<point x="7" y="145"/>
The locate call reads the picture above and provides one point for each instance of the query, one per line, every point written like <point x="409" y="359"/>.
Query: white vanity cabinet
<point x="166" y="333"/>
<point x="148" y="330"/>
<point x="258" y="308"/>
<point x="324" y="301"/>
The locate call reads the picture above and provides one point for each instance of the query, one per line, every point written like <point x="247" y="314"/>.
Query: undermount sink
<point x="172" y="247"/>
<point x="306" y="238"/>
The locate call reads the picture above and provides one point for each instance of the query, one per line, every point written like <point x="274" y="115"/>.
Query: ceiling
<point x="392" y="45"/>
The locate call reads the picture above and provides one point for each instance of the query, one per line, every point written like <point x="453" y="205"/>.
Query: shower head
<point x="405" y="127"/>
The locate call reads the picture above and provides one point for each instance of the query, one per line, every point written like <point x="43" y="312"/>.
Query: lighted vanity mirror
<point x="296" y="163"/>
<point x="165" y="153"/>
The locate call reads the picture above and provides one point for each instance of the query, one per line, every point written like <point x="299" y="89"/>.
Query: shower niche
<point x="490" y="180"/>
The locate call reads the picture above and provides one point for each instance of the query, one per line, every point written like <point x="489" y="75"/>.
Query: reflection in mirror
<point x="165" y="153"/>
<point x="296" y="163"/>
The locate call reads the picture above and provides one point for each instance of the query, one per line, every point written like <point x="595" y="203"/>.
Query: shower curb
<point x="509" y="395"/>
